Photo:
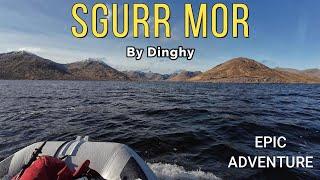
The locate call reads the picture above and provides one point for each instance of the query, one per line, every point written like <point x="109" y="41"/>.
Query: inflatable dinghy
<point x="110" y="160"/>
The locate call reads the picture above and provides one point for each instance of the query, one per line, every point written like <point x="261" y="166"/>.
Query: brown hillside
<point x="244" y="70"/>
<point x="94" y="70"/>
<point x="308" y="72"/>
<point x="312" y="72"/>
<point x="184" y="75"/>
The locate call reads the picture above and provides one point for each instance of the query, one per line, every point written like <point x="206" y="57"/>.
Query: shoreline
<point x="191" y="82"/>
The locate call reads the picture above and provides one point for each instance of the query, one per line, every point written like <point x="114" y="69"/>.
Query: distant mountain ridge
<point x="146" y="76"/>
<point x="150" y="76"/>
<point x="25" y="65"/>
<point x="309" y="72"/>
<point x="184" y="75"/>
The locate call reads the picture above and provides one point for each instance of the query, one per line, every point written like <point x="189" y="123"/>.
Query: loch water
<point x="183" y="130"/>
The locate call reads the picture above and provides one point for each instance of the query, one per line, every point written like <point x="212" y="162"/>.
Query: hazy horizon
<point x="146" y="71"/>
<point x="287" y="37"/>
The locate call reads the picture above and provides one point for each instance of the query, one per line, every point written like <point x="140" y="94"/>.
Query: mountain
<point x="244" y="70"/>
<point x="156" y="76"/>
<point x="308" y="72"/>
<point x="25" y="65"/>
<point x="135" y="75"/>
<point x="291" y="70"/>
<point x="150" y="76"/>
<point x="143" y="76"/>
<point x="183" y="75"/>
<point x="312" y="72"/>
<point x="94" y="70"/>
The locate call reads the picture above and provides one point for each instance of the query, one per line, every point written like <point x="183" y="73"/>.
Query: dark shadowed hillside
<point x="94" y="70"/>
<point x="146" y="76"/>
<point x="25" y="65"/>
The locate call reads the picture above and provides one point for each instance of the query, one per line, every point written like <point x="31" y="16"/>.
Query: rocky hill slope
<point x="184" y="75"/>
<point x="25" y="65"/>
<point x="146" y="76"/>
<point x="308" y="72"/>
<point x="244" y="70"/>
<point x="95" y="70"/>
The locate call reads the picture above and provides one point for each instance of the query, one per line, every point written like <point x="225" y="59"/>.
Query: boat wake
<point x="173" y="171"/>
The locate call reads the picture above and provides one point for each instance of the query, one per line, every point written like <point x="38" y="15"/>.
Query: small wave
<point x="173" y="111"/>
<point x="173" y="171"/>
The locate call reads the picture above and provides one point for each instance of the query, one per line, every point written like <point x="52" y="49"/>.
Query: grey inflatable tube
<point x="111" y="160"/>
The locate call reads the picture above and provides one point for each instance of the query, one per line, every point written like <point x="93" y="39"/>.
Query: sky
<point x="282" y="34"/>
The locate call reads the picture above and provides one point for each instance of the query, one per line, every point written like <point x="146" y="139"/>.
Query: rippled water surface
<point x="189" y="127"/>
